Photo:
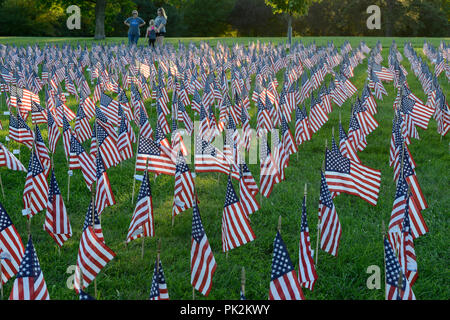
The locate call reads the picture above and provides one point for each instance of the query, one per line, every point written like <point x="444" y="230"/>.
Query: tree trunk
<point x="388" y="17"/>
<point x="289" y="33"/>
<point x="100" y="7"/>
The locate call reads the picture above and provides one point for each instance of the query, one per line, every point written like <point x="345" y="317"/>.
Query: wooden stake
<point x="68" y="187"/>
<point x="135" y="163"/>
<point x="279" y="224"/>
<point x="142" y="248"/>
<point x="1" y="281"/>
<point x="243" y="281"/>
<point x="1" y="184"/>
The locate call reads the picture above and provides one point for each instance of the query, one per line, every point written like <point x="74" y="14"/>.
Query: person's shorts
<point x="160" y="34"/>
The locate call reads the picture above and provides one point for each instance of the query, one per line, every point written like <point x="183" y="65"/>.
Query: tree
<point x="290" y="8"/>
<point x="100" y="7"/>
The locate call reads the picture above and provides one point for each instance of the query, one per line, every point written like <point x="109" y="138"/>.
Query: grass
<point x="128" y="276"/>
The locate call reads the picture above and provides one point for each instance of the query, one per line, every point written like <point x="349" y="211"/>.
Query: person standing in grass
<point x="151" y="33"/>
<point x="160" y="23"/>
<point x="134" y="23"/>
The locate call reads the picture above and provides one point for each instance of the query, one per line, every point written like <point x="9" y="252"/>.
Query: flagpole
<point x="243" y="281"/>
<point x="1" y="184"/>
<point x="143" y="238"/>
<point x="135" y="164"/>
<point x="383" y="233"/>
<point x="318" y="220"/>
<point x="1" y="281"/>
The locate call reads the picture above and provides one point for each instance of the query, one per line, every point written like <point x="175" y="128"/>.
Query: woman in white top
<point x="160" y="24"/>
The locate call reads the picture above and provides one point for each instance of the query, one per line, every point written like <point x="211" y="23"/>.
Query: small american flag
<point x="302" y="128"/>
<point x="38" y="114"/>
<point x="36" y="187"/>
<point x="393" y="271"/>
<point x="158" y="290"/>
<point x="20" y="131"/>
<point x="11" y="244"/>
<point x="284" y="284"/>
<point x="158" y="157"/>
<point x="93" y="254"/>
<point x="184" y="187"/>
<point x="104" y="196"/>
<point x="80" y="159"/>
<point x="53" y="133"/>
<point x="9" y="160"/>
<point x="307" y="275"/>
<point x="30" y="283"/>
<point x="83" y="129"/>
<point x="236" y="229"/>
<point x="203" y="264"/>
<point x="57" y="222"/>
<point x="330" y="227"/>
<point x="345" y="175"/>
<point x="142" y="223"/>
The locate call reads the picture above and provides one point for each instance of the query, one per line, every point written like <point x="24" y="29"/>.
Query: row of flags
<point x="111" y="143"/>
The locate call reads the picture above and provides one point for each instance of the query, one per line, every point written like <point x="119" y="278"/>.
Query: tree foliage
<point x="232" y="17"/>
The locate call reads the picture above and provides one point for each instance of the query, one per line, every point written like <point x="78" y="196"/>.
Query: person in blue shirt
<point x="134" y="23"/>
<point x="160" y="24"/>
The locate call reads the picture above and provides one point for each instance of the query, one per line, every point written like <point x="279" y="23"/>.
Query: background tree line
<point x="202" y="18"/>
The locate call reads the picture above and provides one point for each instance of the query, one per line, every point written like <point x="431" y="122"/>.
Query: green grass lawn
<point x="128" y="276"/>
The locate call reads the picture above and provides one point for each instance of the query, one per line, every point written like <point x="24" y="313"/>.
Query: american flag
<point x="84" y="296"/>
<point x="407" y="254"/>
<point x="106" y="144"/>
<point x="124" y="145"/>
<point x="36" y="187"/>
<point x="395" y="291"/>
<point x="307" y="275"/>
<point x="236" y="230"/>
<point x="284" y="284"/>
<point x="41" y="150"/>
<point x="158" y="157"/>
<point x="53" y="133"/>
<point x="125" y="105"/>
<point x="142" y="223"/>
<point x="104" y="196"/>
<point x="9" y="160"/>
<point x="189" y="126"/>
<point x="57" y="222"/>
<point x="93" y="253"/>
<point x="158" y="290"/>
<point x="144" y="125"/>
<point x="302" y="129"/>
<point x="10" y="244"/>
<point x="80" y="159"/>
<point x="162" y="121"/>
<point x="38" y="114"/>
<point x="330" y="227"/>
<point x="317" y="116"/>
<point x="248" y="190"/>
<point x="345" y="175"/>
<point x="415" y="108"/>
<point x="83" y="129"/>
<point x="356" y="134"/>
<point x="19" y="130"/>
<point x="110" y="108"/>
<point x="411" y="178"/>
<point x="288" y="141"/>
<point x="67" y="133"/>
<point x="269" y="175"/>
<point x="203" y="264"/>
<point x="210" y="159"/>
<point x="30" y="283"/>
<point x="345" y="147"/>
<point x="183" y="198"/>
